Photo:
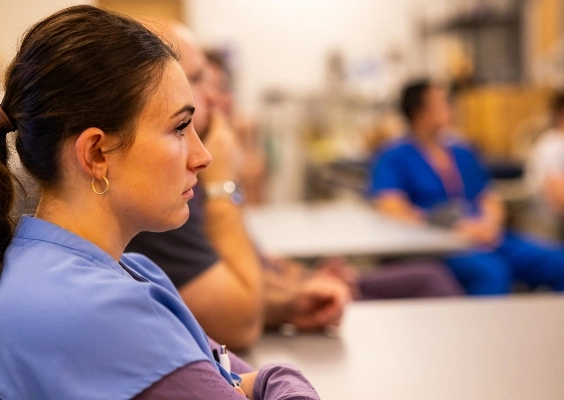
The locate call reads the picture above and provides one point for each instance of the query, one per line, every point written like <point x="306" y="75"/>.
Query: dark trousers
<point x="413" y="279"/>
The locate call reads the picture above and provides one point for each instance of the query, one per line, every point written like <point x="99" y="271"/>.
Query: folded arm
<point x="309" y="301"/>
<point x="487" y="226"/>
<point x="201" y="381"/>
<point x="232" y="311"/>
<point x="396" y="204"/>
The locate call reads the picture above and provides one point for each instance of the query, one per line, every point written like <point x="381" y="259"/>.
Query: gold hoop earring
<point x="105" y="189"/>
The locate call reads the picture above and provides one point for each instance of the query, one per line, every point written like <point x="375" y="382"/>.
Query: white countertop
<point x="300" y="230"/>
<point x="467" y="348"/>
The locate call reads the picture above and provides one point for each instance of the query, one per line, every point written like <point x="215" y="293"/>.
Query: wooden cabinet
<point x="490" y="116"/>
<point x="165" y="9"/>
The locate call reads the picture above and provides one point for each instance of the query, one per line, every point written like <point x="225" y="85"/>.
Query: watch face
<point x="226" y="190"/>
<point x="229" y="187"/>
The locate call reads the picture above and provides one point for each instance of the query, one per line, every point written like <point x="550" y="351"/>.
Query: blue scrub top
<point x="402" y="166"/>
<point x="75" y="325"/>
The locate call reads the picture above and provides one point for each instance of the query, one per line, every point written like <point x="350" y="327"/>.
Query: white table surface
<point x="479" y="349"/>
<point x="306" y="231"/>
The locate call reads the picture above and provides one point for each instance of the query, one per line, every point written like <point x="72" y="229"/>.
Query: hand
<point x="319" y="302"/>
<point x="288" y="272"/>
<point x="225" y="149"/>
<point x="338" y="268"/>
<point x="479" y="231"/>
<point x="247" y="383"/>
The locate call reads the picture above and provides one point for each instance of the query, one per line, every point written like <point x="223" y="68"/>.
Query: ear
<point x="89" y="151"/>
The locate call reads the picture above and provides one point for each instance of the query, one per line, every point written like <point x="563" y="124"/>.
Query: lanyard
<point x="448" y="173"/>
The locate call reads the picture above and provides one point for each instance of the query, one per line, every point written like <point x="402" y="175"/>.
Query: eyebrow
<point x="188" y="109"/>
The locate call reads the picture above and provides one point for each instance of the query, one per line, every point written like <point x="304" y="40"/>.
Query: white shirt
<point x="546" y="158"/>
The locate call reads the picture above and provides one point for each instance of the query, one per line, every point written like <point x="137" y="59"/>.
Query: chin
<point x="180" y="220"/>
<point x="174" y="221"/>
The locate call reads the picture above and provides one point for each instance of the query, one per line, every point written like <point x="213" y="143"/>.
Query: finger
<point x="217" y="125"/>
<point x="318" y="314"/>
<point x="329" y="312"/>
<point x="336" y="291"/>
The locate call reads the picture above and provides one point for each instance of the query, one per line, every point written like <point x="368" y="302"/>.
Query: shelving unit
<point x="493" y="38"/>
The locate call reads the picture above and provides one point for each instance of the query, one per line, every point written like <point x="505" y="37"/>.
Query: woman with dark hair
<point x="103" y="114"/>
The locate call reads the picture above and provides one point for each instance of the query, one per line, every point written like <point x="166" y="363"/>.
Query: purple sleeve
<point x="201" y="381"/>
<point x="196" y="381"/>
<point x="282" y="381"/>
<point x="237" y="365"/>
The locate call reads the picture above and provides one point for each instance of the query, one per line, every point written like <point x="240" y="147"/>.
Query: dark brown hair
<point x="558" y="103"/>
<point x="412" y="97"/>
<point x="78" y="68"/>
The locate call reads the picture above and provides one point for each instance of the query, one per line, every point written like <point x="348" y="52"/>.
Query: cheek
<point x="171" y="165"/>
<point x="161" y="167"/>
<point x="447" y="114"/>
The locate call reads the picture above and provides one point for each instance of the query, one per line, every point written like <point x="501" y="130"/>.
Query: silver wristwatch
<point x="224" y="190"/>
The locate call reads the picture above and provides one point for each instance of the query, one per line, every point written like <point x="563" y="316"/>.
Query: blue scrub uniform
<point x="403" y="167"/>
<point x="75" y="325"/>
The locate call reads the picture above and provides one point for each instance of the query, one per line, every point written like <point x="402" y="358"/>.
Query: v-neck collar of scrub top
<point x="453" y="186"/>
<point x="159" y="313"/>
<point x="34" y="228"/>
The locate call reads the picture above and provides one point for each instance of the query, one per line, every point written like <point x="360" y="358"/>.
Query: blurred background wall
<point x="286" y="43"/>
<point x="18" y="15"/>
<point x="320" y="78"/>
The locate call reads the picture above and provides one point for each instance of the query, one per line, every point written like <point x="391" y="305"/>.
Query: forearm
<point x="280" y="291"/>
<point x="242" y="295"/>
<point x="227" y="310"/>
<point x="492" y="210"/>
<point x="486" y="228"/>
<point x="226" y="230"/>
<point x="397" y="206"/>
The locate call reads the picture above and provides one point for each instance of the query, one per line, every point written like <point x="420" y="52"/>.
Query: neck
<point x="87" y="220"/>
<point x="425" y="137"/>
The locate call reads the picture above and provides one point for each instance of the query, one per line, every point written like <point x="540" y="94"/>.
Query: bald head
<point x="192" y="61"/>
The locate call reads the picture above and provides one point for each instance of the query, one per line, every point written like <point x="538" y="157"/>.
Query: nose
<point x="199" y="157"/>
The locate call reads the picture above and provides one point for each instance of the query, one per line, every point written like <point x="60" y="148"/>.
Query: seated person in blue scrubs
<point x="103" y="113"/>
<point x="429" y="176"/>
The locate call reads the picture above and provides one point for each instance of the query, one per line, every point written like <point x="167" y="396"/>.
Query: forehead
<point x="435" y="94"/>
<point x="170" y="95"/>
<point x="192" y="57"/>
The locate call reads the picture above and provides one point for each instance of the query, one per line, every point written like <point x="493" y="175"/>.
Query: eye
<point x="182" y="126"/>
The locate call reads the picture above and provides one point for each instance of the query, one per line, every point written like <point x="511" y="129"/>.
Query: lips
<point x="189" y="192"/>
